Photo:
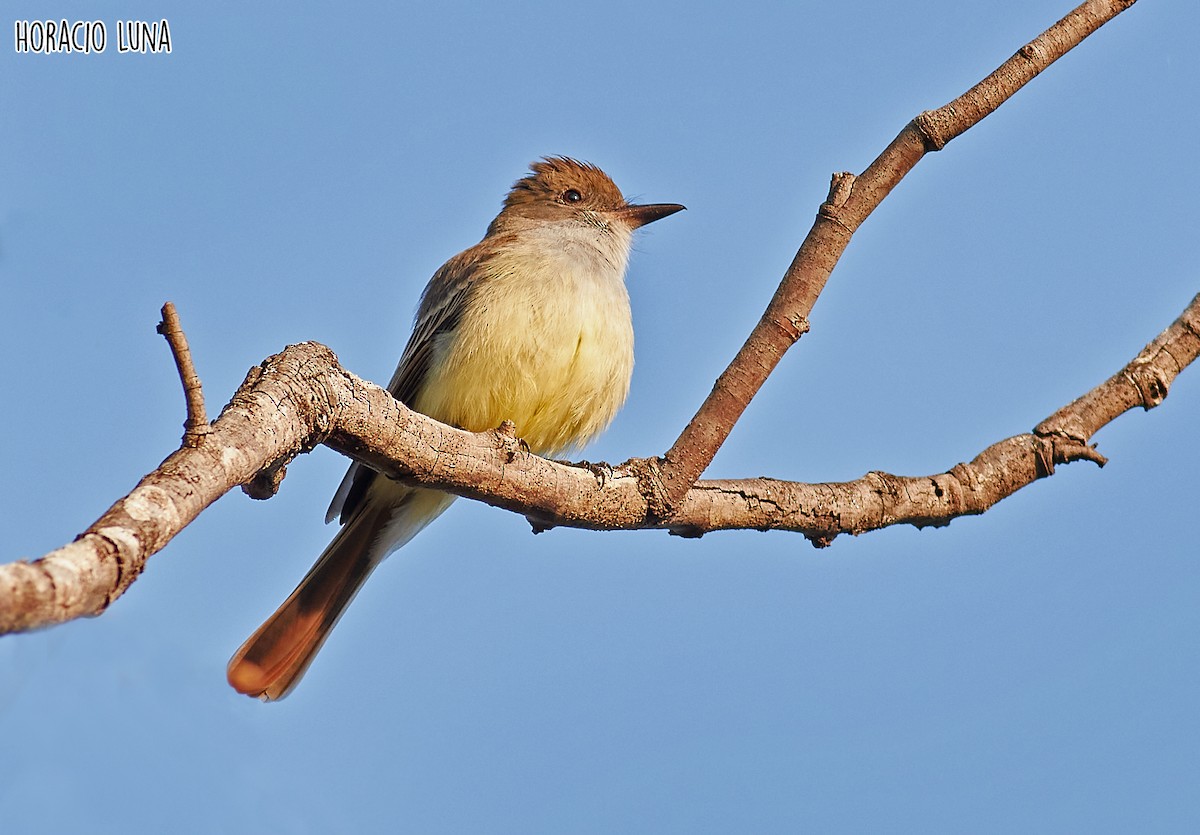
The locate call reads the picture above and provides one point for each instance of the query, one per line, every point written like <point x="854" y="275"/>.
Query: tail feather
<point x="272" y="660"/>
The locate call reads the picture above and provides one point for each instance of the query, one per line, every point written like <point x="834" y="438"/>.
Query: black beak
<point x="637" y="216"/>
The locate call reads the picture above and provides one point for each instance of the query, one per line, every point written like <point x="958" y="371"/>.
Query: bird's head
<point x="561" y="189"/>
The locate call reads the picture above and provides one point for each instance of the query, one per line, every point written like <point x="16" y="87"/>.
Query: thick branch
<point x="851" y="200"/>
<point x="302" y="397"/>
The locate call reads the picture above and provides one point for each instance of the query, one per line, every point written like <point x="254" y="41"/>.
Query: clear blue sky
<point x="287" y="175"/>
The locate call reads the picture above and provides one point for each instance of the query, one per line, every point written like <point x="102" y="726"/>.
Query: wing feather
<point x="439" y="312"/>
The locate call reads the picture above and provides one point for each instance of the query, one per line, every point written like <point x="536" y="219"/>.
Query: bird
<point x="531" y="325"/>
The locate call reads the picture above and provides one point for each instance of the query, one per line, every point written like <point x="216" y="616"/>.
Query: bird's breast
<point x="546" y="341"/>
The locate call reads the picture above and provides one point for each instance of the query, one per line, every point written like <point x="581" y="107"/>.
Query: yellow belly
<point x="549" y="349"/>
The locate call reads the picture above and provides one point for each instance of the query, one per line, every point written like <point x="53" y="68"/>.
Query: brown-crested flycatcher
<point x="532" y="325"/>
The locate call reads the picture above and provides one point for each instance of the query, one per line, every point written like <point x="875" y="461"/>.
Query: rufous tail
<point x="272" y="660"/>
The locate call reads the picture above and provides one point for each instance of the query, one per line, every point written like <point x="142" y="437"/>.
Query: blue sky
<point x="286" y="175"/>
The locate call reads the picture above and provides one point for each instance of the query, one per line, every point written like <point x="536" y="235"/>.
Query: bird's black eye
<point x="571" y="196"/>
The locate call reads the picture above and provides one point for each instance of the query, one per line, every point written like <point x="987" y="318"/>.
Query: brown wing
<point x="439" y="312"/>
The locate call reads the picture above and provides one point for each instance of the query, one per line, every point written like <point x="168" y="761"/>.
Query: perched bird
<point x="531" y="325"/>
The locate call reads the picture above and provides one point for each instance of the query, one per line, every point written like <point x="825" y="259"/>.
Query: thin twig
<point x="196" y="426"/>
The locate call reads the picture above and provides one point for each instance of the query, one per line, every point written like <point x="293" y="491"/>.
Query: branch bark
<point x="302" y="397"/>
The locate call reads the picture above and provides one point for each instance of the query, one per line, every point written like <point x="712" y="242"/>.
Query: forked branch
<point x="851" y="201"/>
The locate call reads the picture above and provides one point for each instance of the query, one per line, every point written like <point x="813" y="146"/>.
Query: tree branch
<point x="302" y="396"/>
<point x="851" y="200"/>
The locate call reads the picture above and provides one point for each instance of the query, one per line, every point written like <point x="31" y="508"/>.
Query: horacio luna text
<point x="90" y="36"/>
